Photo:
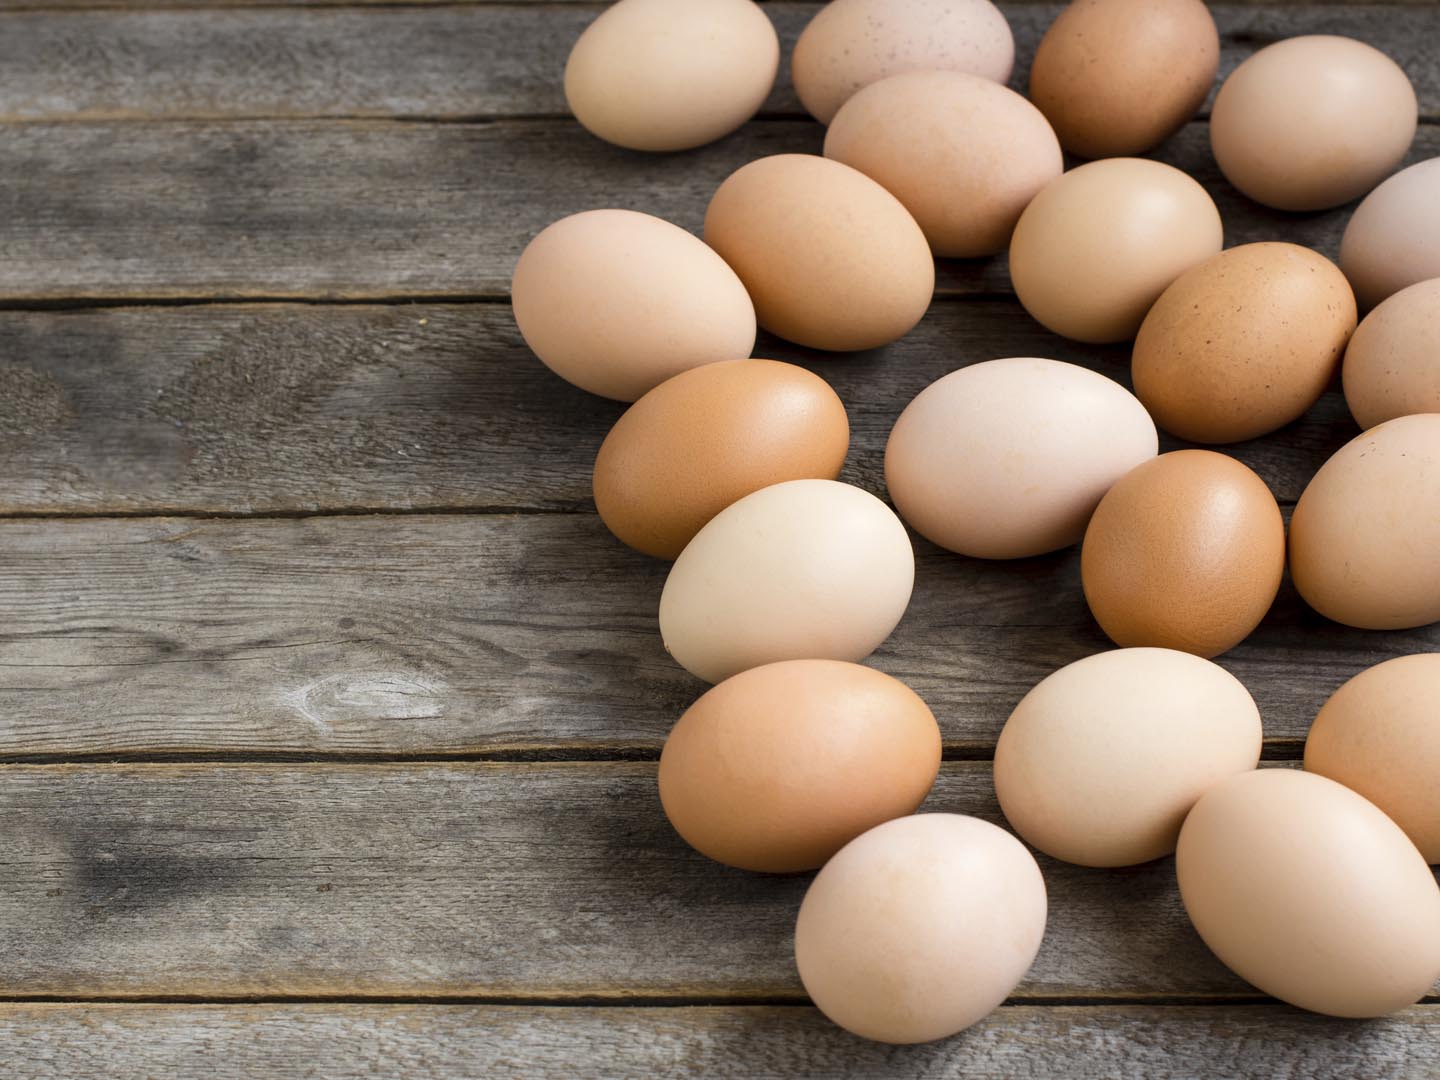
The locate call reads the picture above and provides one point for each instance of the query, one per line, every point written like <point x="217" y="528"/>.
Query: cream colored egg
<point x="850" y="44"/>
<point x="1099" y="244"/>
<point x="1306" y="890"/>
<point x="671" y="74"/>
<point x="1392" y="365"/>
<point x="808" y="569"/>
<point x="1008" y="458"/>
<point x="616" y="302"/>
<point x="964" y="154"/>
<point x="1365" y="534"/>
<point x="1393" y="238"/>
<point x="920" y="927"/>
<point x="1100" y="762"/>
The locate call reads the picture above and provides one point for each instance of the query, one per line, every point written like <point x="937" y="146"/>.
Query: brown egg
<point x="1393" y="238"/>
<point x="1379" y="735"/>
<point x="964" y="154"/>
<point x="1243" y="343"/>
<point x="1184" y="552"/>
<point x="1117" y="77"/>
<point x="1100" y="243"/>
<point x="831" y="259"/>
<point x="1365" y="536"/>
<point x="711" y="435"/>
<point x="1392" y="364"/>
<point x="777" y="768"/>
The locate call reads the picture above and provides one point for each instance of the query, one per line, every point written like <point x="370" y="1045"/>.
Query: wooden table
<point x="328" y="708"/>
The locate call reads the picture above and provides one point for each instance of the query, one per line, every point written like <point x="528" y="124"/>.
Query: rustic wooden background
<point x="329" y="710"/>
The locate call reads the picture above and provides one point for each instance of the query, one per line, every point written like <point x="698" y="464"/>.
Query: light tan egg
<point x="778" y="767"/>
<point x="1365" y="534"/>
<point x="1244" y="343"/>
<point x="1312" y="122"/>
<point x="671" y="74"/>
<point x="1379" y="735"/>
<point x="831" y="259"/>
<point x="1392" y="364"/>
<point x="1117" y="77"/>
<point x="1184" y="552"/>
<point x="617" y="302"/>
<point x="964" y="154"/>
<point x="807" y="569"/>
<point x="920" y="927"/>
<point x="711" y="435"/>
<point x="1393" y="238"/>
<point x="1310" y="893"/>
<point x="1099" y="244"/>
<point x="850" y="44"/>
<point x="1102" y="760"/>
<point x="1008" y="458"/>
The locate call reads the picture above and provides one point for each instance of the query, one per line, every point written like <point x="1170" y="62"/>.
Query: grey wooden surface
<point x="328" y="709"/>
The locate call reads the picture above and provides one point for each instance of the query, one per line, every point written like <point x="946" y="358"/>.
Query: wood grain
<point x="360" y="1042"/>
<point x="376" y="210"/>
<point x="493" y="634"/>
<point x="521" y="882"/>
<point x="470" y="61"/>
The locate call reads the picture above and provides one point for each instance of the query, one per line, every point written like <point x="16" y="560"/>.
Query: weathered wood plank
<point x="451" y="1042"/>
<point x="366" y="209"/>
<point x="493" y="634"/>
<point x="281" y="408"/>
<point x="461" y="62"/>
<point x="524" y="882"/>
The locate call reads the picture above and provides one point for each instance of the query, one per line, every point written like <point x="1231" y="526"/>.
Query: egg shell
<point x="1099" y="244"/>
<point x="965" y="155"/>
<point x="831" y="259"/>
<point x="1365" y="534"/>
<point x="1392" y="364"/>
<point x="850" y="44"/>
<point x="1393" y="238"/>
<point x="576" y="292"/>
<point x="671" y="74"/>
<point x="1244" y="343"/>
<point x="800" y="570"/>
<point x="1100" y="762"/>
<point x="1008" y="458"/>
<point x="1312" y="122"/>
<point x="1117" y="77"/>
<point x="1307" y="891"/>
<point x="1184" y="552"/>
<point x="920" y="927"/>
<point x="711" y="435"/>
<point x="1379" y="735"/>
<point x="779" y="767"/>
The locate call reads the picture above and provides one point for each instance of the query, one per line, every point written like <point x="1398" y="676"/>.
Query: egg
<point x="1393" y="238"/>
<point x="920" y="927"/>
<point x="1244" y="343"/>
<point x="1312" y="122"/>
<point x="1008" y="458"/>
<point x="1184" y="552"/>
<point x="1100" y="762"/>
<point x="1392" y="364"/>
<point x="807" y="569"/>
<point x="577" y="293"/>
<point x="1307" y="891"/>
<point x="853" y="43"/>
<point x="697" y="442"/>
<point x="1117" y="77"/>
<point x="1099" y="244"/>
<point x="1366" y="531"/>
<point x="831" y="259"/>
<point x="779" y="767"/>
<point x="964" y="155"/>
<point x="671" y="74"/>
<point x="1379" y="735"/>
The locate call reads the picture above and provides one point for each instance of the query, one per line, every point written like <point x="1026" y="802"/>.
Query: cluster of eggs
<point x="784" y="579"/>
